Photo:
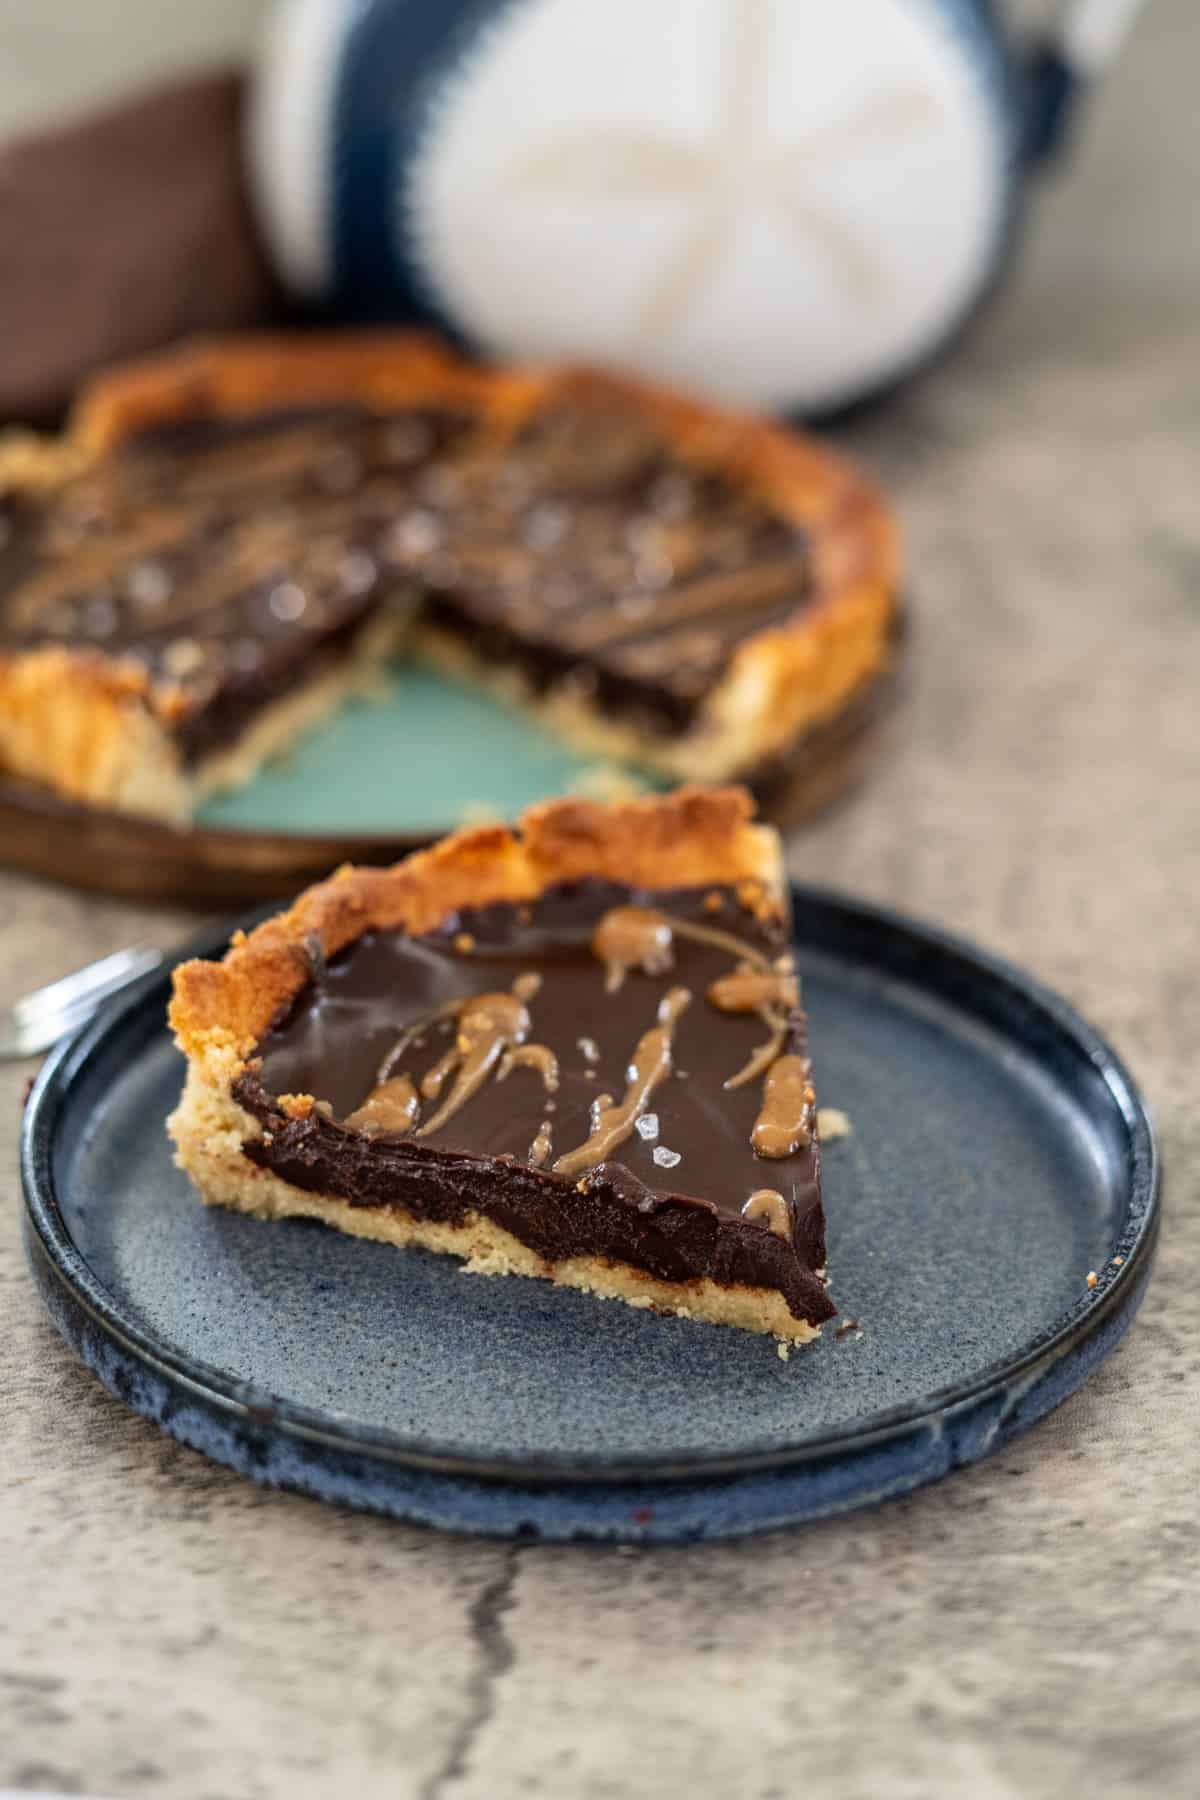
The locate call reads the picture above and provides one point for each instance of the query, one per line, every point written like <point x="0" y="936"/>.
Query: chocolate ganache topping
<point x="449" y="1073"/>
<point x="229" y="557"/>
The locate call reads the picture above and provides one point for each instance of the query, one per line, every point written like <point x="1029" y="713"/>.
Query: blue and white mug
<point x="786" y="203"/>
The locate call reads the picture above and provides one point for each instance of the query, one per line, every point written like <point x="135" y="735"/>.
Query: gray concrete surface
<point x="1030" y="1627"/>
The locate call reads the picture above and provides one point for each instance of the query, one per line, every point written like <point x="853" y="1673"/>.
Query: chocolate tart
<point x="230" y="538"/>
<point x="573" y="1051"/>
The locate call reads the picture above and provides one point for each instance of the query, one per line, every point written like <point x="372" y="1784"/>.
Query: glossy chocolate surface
<point x="230" y="557"/>
<point x="670" y="1196"/>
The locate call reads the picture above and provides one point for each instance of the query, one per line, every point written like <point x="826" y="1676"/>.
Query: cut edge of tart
<point x="99" y="726"/>
<point x="97" y="730"/>
<point x="228" y="1132"/>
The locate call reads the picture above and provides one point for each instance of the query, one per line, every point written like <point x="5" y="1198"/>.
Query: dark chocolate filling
<point x="232" y="558"/>
<point x="668" y="1200"/>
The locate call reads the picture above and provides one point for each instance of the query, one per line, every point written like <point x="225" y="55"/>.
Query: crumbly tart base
<point x="221" y="1011"/>
<point x="97" y="729"/>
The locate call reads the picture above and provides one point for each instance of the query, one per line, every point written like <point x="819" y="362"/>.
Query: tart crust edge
<point x="691" y="837"/>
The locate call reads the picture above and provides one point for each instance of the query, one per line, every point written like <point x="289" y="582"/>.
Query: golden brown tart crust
<point x="687" y="838"/>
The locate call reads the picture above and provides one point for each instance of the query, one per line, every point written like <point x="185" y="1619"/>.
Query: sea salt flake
<point x="148" y="585"/>
<point x="287" y="602"/>
<point x="415" y="535"/>
<point x="666" y="1159"/>
<point x="357" y="572"/>
<point x="545" y="526"/>
<point x="647" y="1126"/>
<point x="183" y="657"/>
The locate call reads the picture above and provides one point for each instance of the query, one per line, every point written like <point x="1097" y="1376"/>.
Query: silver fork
<point x="33" y="1024"/>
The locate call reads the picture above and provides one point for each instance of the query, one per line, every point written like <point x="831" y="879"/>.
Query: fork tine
<point x="86" y="986"/>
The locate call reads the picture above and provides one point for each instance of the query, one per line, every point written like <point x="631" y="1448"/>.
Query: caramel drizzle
<point x="491" y="1034"/>
<point x="722" y="940"/>
<point x="747" y="588"/>
<point x="632" y="937"/>
<point x="236" y="564"/>
<point x="524" y="987"/>
<point x="89" y="566"/>
<point x="232" y="505"/>
<point x="749" y="990"/>
<point x="784" y="1123"/>
<point x="530" y="1056"/>
<point x="230" y="468"/>
<point x="392" y="1107"/>
<point x="539" y="1150"/>
<point x="769" y="1205"/>
<point x="492" y="1029"/>
<point x="651" y="1064"/>
<point x="768" y="991"/>
<point x="639" y="937"/>
<point x="403" y="1043"/>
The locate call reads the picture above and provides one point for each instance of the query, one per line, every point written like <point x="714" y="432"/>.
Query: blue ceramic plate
<point x="999" y="1153"/>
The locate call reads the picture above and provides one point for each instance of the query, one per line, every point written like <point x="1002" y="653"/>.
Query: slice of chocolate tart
<point x="230" y="538"/>
<point x="574" y="1050"/>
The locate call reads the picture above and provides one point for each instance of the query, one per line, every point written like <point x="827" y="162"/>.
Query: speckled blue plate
<point x="999" y="1153"/>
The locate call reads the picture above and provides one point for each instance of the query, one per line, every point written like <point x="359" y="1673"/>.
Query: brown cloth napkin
<point x="119" y="232"/>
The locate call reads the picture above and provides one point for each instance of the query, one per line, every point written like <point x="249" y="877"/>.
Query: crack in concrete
<point x="495" y="1656"/>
